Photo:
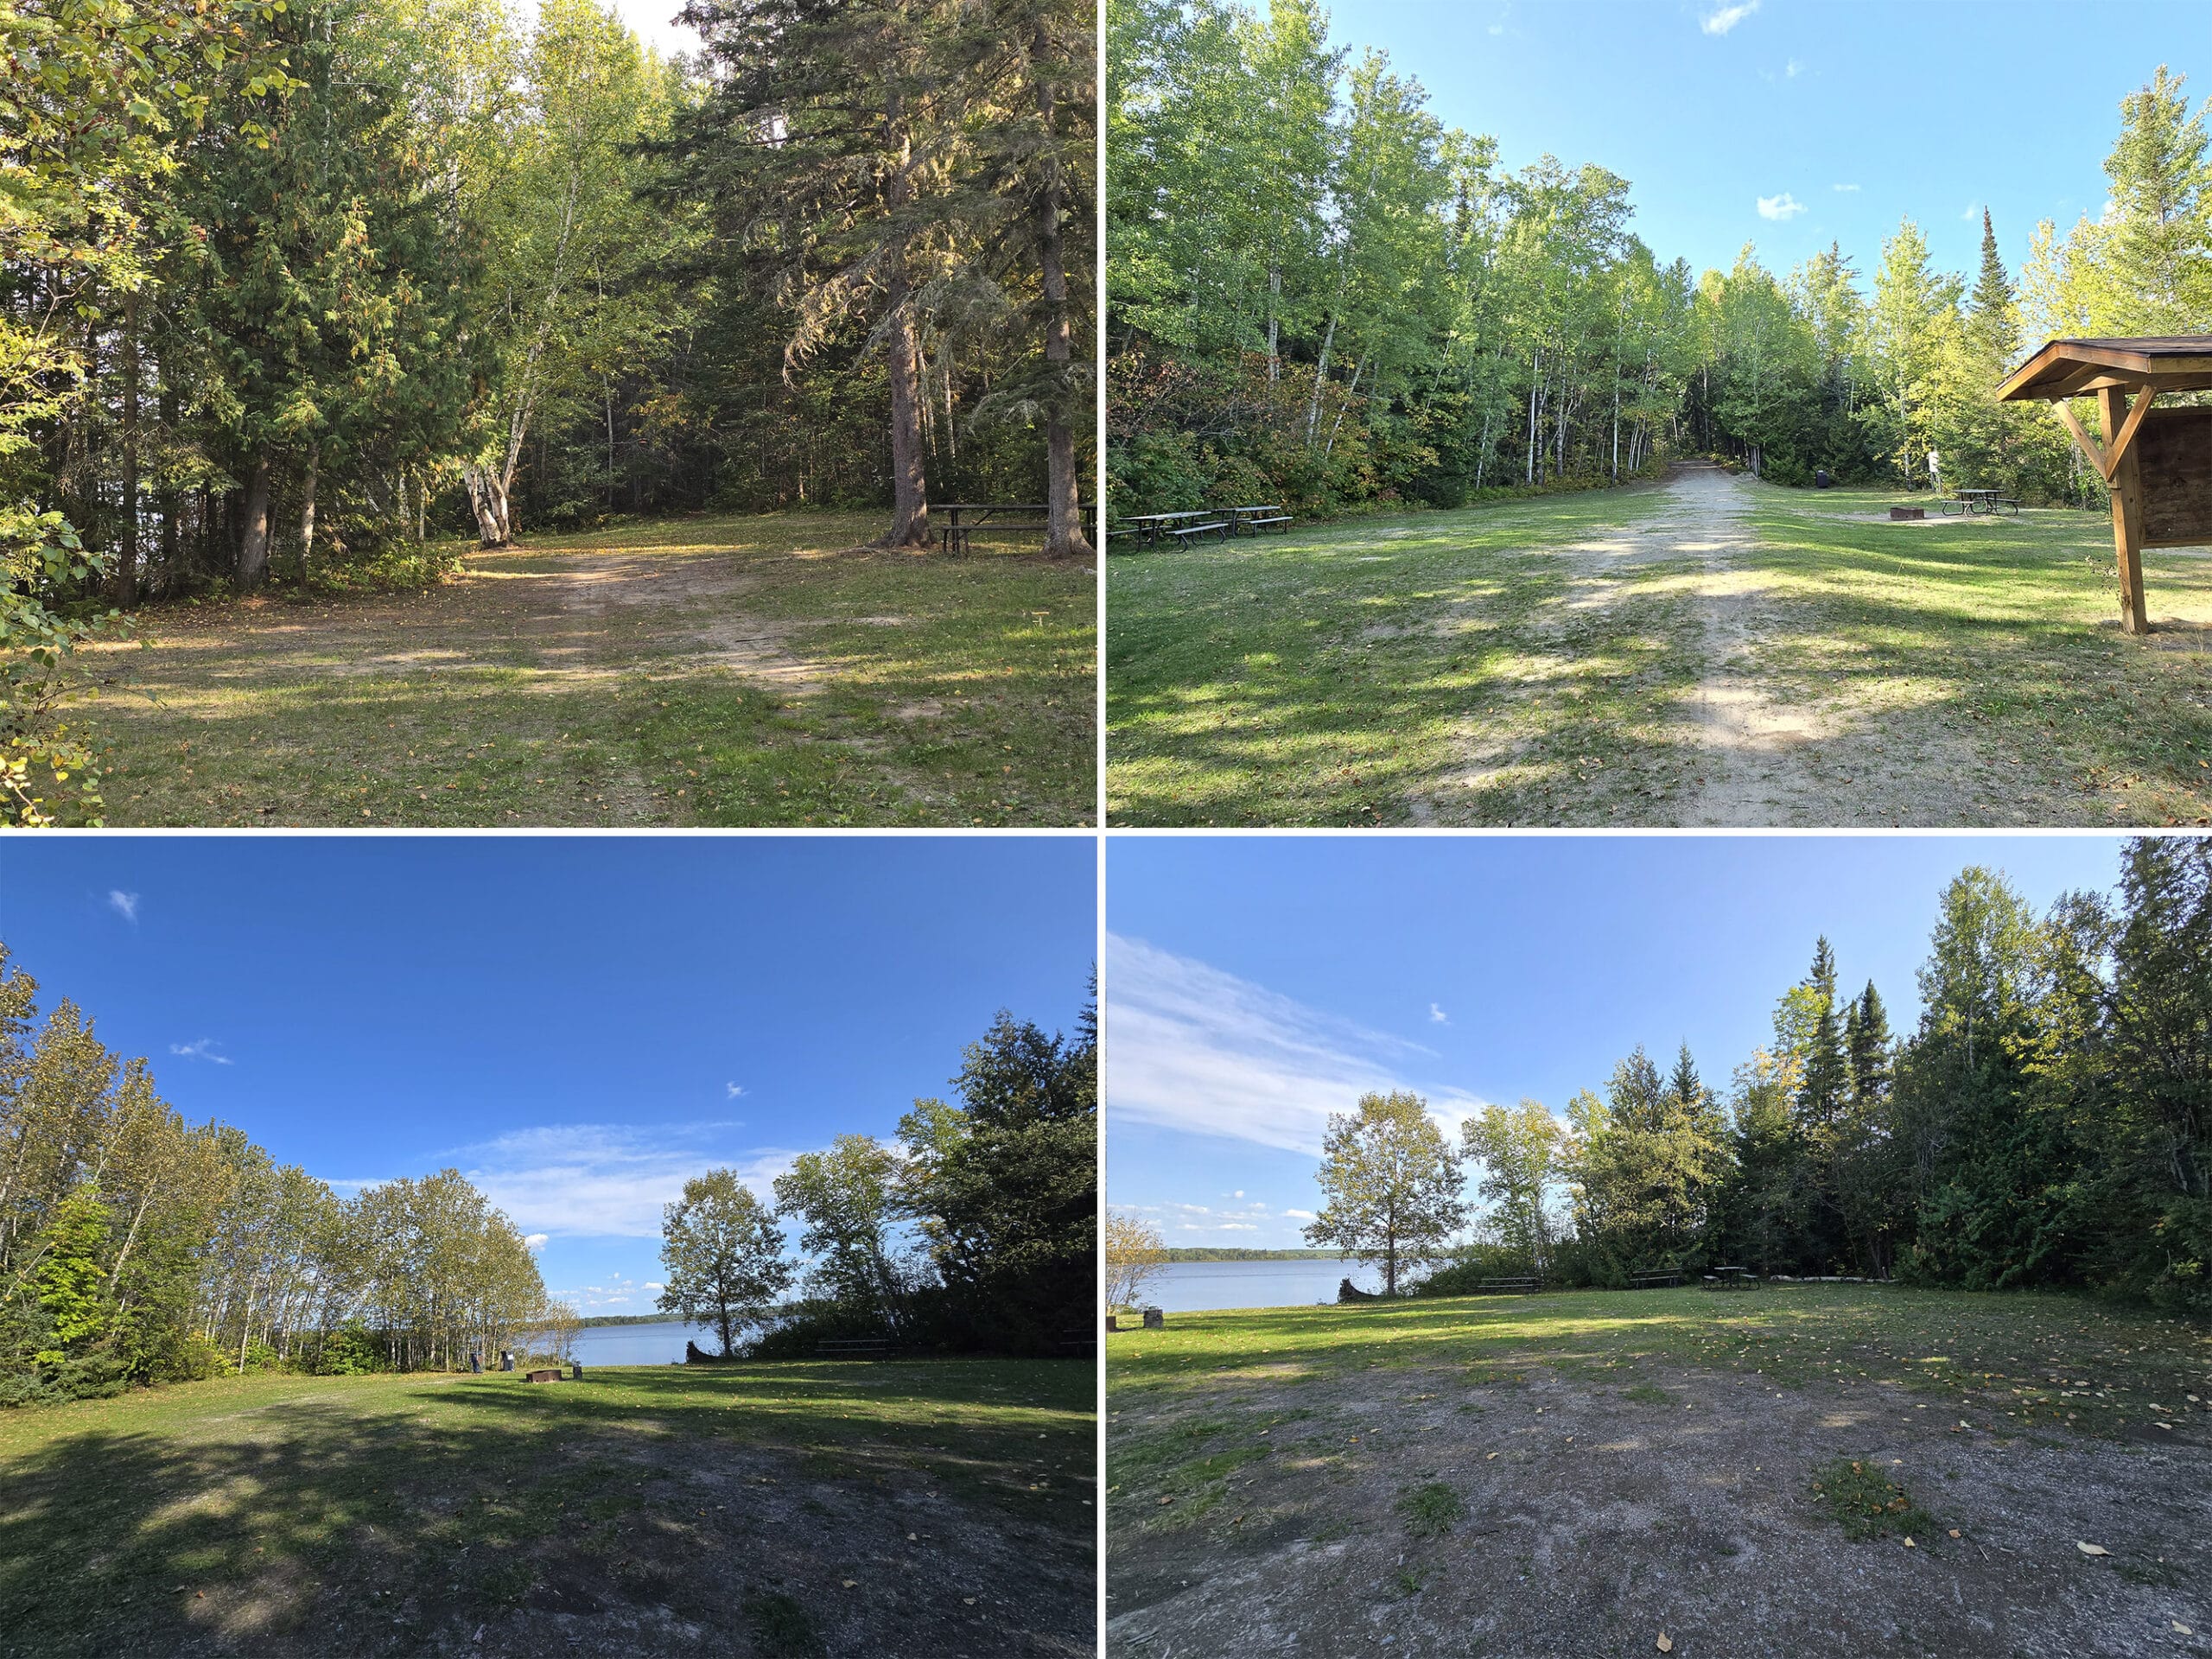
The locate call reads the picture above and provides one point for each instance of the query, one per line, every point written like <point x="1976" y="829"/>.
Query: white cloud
<point x="734" y="1090"/>
<point x="202" y="1050"/>
<point x="535" y="1241"/>
<point x="655" y="1284"/>
<point x="1437" y="1016"/>
<point x="1783" y="206"/>
<point x="1849" y="189"/>
<point x="124" y="905"/>
<point x="599" y="1180"/>
<point x="1972" y="210"/>
<point x="1720" y="21"/>
<point x="1196" y="1049"/>
<point x="1299" y="1215"/>
<point x="1792" y="69"/>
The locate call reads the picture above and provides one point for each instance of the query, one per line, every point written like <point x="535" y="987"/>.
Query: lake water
<point x="1193" y="1286"/>
<point x="658" y="1344"/>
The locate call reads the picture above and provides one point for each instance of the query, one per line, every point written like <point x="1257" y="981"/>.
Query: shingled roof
<point x="2068" y="368"/>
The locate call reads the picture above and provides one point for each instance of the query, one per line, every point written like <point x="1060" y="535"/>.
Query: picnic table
<point x="1252" y="520"/>
<point x="1151" y="526"/>
<point x="1730" y="1279"/>
<point x="1522" y="1285"/>
<point x="1984" y="501"/>
<point x="1652" y="1278"/>
<point x="964" y="518"/>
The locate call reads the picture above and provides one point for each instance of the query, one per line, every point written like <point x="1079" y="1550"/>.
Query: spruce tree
<point x="1993" y="325"/>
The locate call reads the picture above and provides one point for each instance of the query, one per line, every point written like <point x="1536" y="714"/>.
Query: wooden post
<point x="2127" y="511"/>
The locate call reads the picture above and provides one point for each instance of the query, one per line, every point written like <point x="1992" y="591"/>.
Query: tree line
<point x="297" y="289"/>
<point x="1319" y="294"/>
<point x="2047" y="1121"/>
<point x="136" y="1248"/>
<point x="975" y="1231"/>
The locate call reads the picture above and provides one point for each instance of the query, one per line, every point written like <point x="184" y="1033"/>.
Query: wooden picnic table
<point x="1985" y="501"/>
<point x="1153" y="525"/>
<point x="954" y="534"/>
<point x="1252" y="519"/>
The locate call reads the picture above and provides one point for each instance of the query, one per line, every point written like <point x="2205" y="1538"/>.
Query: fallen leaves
<point x="2091" y="1550"/>
<point x="1663" y="1644"/>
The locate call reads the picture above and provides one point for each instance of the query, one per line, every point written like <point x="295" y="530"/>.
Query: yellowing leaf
<point x="2091" y="1550"/>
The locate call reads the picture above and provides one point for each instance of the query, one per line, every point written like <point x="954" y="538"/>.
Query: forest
<point x="1319" y="294"/>
<point x="317" y="292"/>
<point x="137" y="1248"/>
<point x="2047" y="1123"/>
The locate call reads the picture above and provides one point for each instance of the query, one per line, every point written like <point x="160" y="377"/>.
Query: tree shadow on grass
<point x="902" y="1509"/>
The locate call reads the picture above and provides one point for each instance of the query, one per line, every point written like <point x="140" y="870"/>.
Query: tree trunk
<point x="253" y="537"/>
<point x="1321" y="378"/>
<point x="910" y="508"/>
<point x="306" y="508"/>
<point x="126" y="564"/>
<point x="488" y="496"/>
<point x="1064" y="536"/>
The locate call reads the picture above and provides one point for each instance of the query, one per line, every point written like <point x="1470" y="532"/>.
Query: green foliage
<point x="1003" y="1186"/>
<point x="1431" y="1510"/>
<point x="1320" y="295"/>
<point x="1866" y="1503"/>
<point x="1389" y="1184"/>
<point x="722" y="1253"/>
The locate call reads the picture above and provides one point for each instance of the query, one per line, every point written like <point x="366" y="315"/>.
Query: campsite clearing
<point x="1578" y="1472"/>
<point x="761" y="1509"/>
<point x="764" y="670"/>
<point x="1708" y="651"/>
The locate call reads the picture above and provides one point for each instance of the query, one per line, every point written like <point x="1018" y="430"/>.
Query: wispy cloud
<point x="203" y="1049"/>
<point x="736" y="1090"/>
<point x="124" y="905"/>
<point x="1437" y="1016"/>
<point x="535" y="1241"/>
<point x="1849" y="189"/>
<point x="1783" y="206"/>
<point x="1720" y="21"/>
<point x="1791" y="70"/>
<point x="1196" y="1049"/>
<point x="601" y="1180"/>
<point x="1972" y="210"/>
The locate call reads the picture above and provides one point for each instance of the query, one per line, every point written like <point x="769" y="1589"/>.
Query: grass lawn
<point x="1578" y="1472"/>
<point x="919" y="1508"/>
<point x="1708" y="651"/>
<point x="756" y="670"/>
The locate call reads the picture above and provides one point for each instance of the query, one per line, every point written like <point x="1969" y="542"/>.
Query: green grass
<point x="719" y="671"/>
<point x="241" y="1507"/>
<point x="2029" y="1362"/>
<point x="1431" y="1510"/>
<point x="1451" y="666"/>
<point x="1866" y="1503"/>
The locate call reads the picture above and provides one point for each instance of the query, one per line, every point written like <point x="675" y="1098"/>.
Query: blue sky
<point x="580" y="1023"/>
<point x="1255" y="985"/>
<point x="1932" y="108"/>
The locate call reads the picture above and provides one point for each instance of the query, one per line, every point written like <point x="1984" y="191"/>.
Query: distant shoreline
<point x="1252" y="1256"/>
<point x="630" y="1319"/>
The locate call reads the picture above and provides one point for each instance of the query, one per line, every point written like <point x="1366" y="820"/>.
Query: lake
<point x="1194" y="1286"/>
<point x="658" y="1344"/>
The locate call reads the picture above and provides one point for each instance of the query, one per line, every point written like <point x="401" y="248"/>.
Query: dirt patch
<point x="1586" y="1519"/>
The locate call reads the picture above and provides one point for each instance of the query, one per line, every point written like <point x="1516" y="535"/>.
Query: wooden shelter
<point x="2159" y="465"/>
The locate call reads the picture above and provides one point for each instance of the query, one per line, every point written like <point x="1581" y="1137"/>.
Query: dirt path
<point x="1756" y="756"/>
<point x="1593" y="1520"/>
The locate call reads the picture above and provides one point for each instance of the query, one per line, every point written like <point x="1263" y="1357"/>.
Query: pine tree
<point x="1993" y="325"/>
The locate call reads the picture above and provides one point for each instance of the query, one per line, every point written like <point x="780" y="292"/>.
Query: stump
<point x="1908" y="512"/>
<point x="1155" y="1320"/>
<point x="1112" y="1323"/>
